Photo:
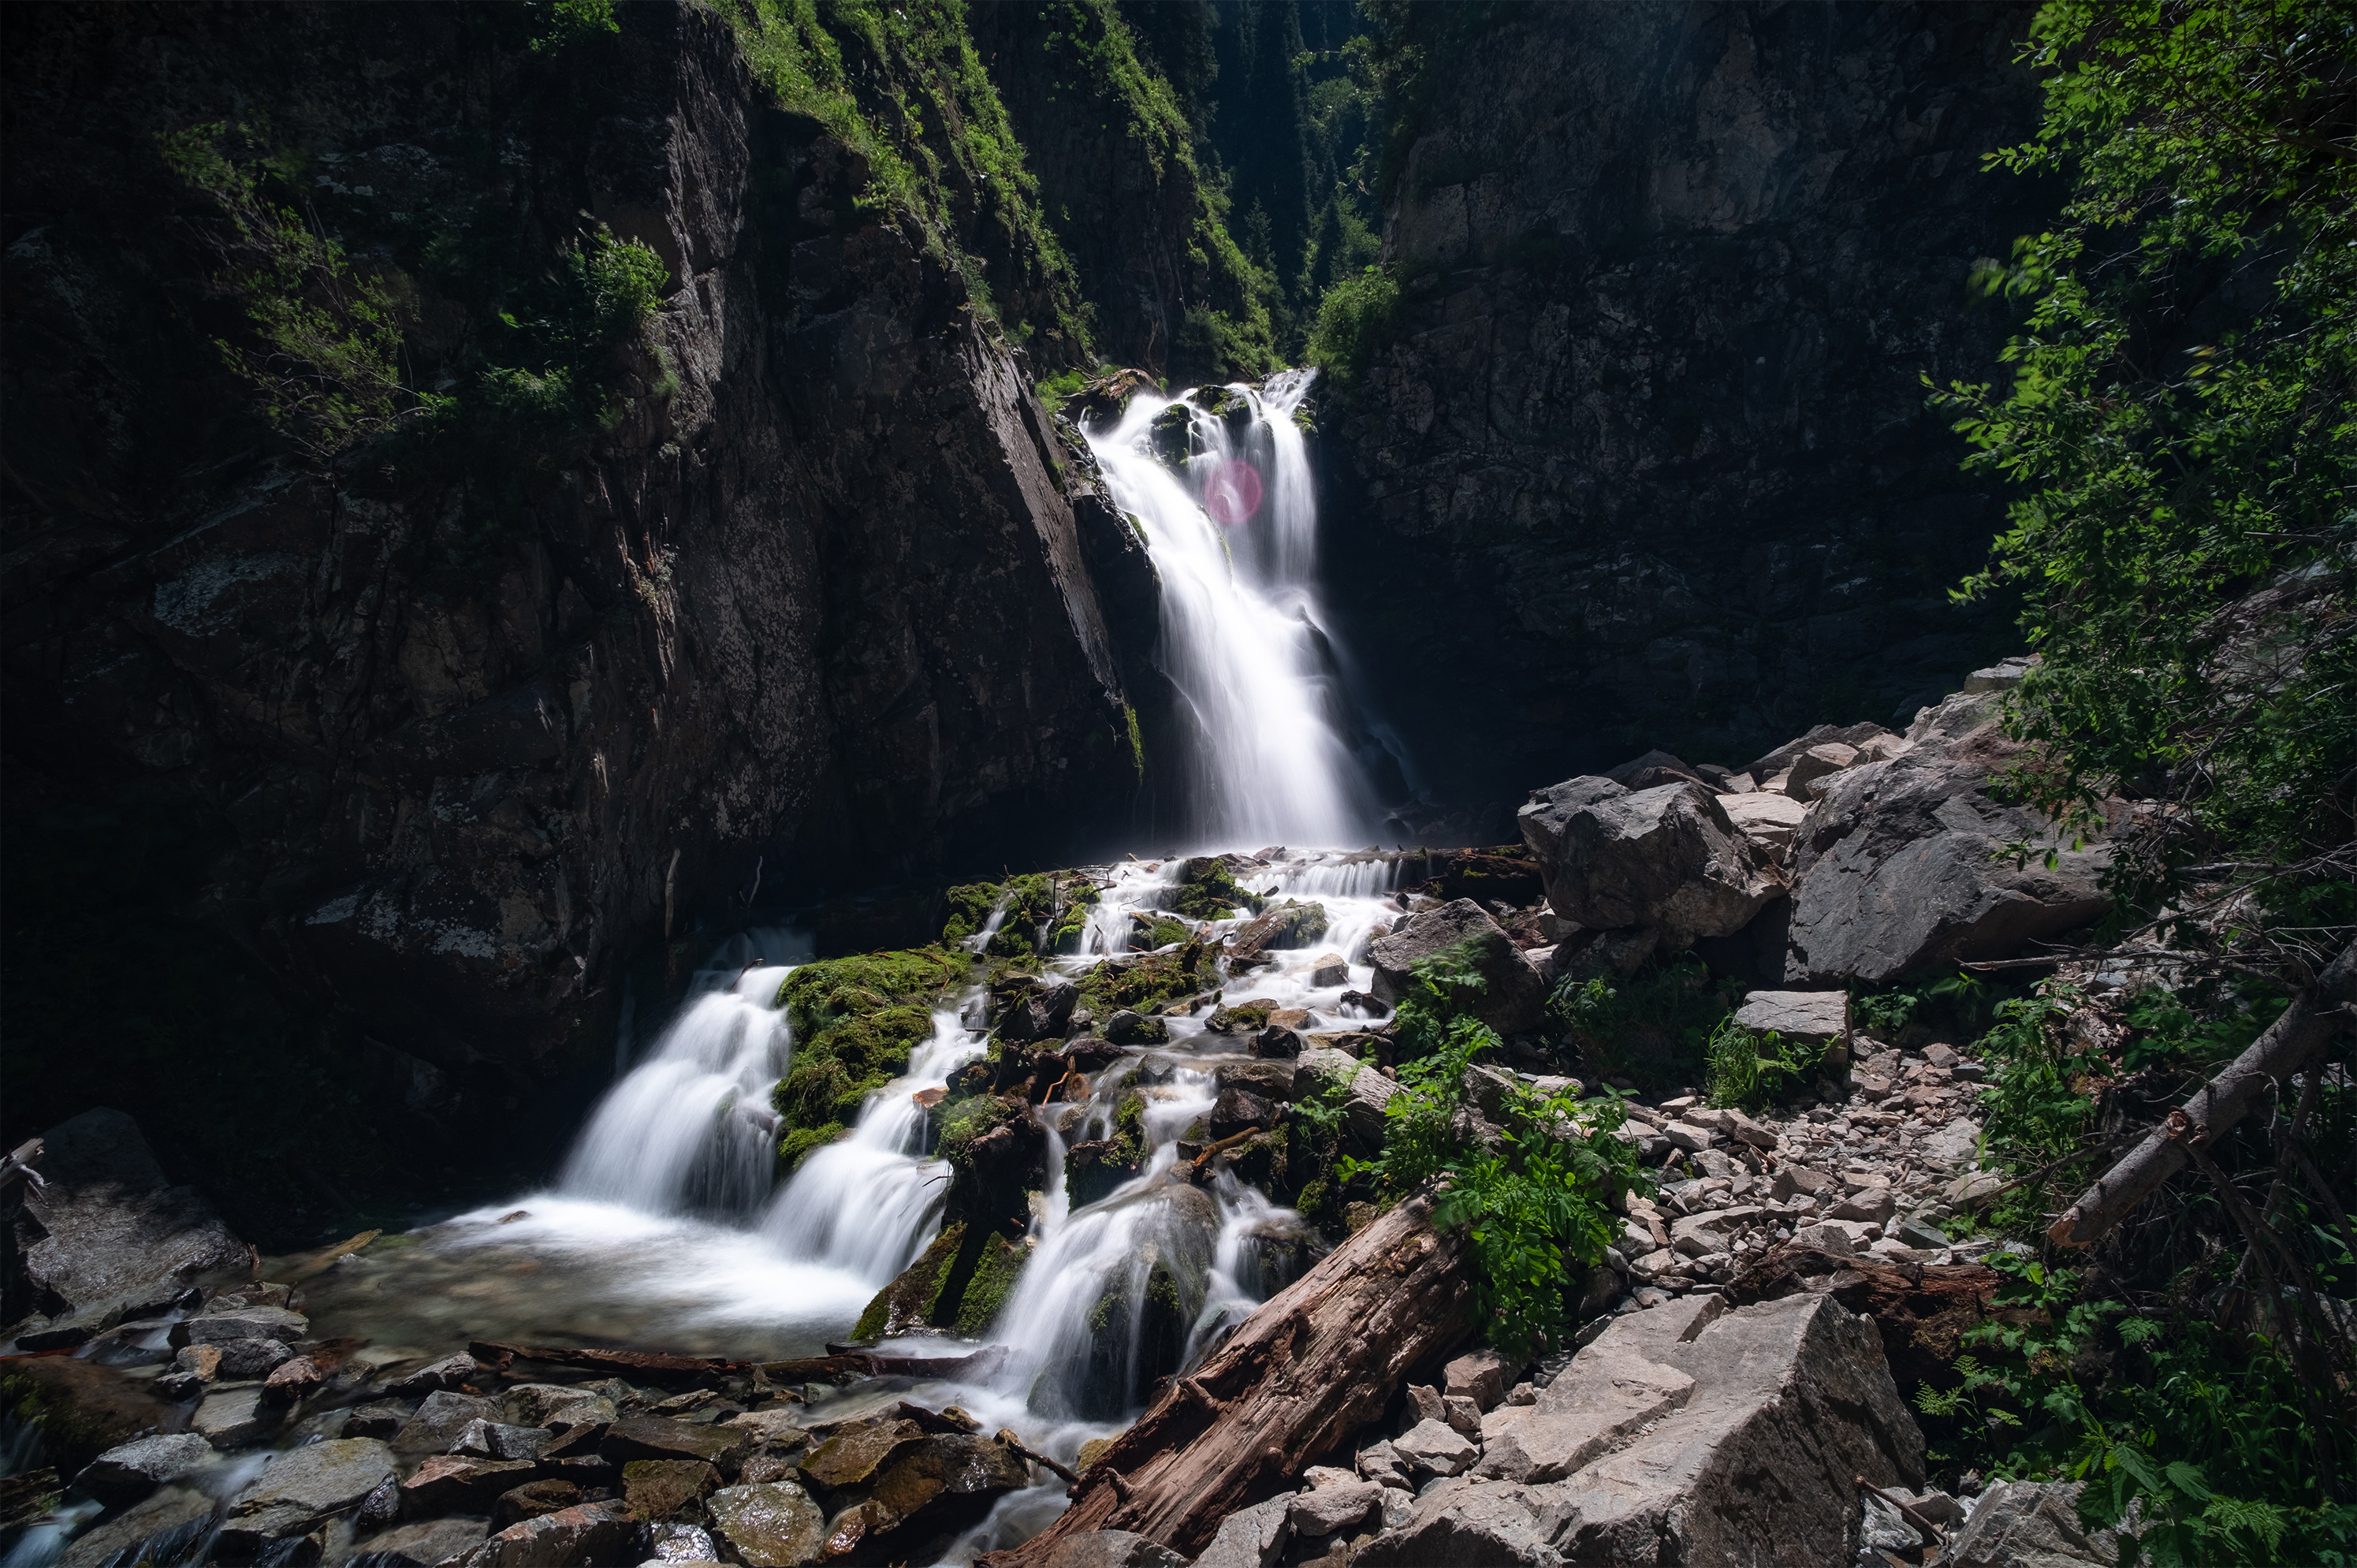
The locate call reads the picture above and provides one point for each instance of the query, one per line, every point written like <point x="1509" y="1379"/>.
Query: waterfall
<point x="1218" y="481"/>
<point x="870" y="1203"/>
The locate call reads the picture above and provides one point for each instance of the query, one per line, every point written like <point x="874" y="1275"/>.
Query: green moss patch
<point x="855" y="1021"/>
<point x="1147" y="980"/>
<point x="1208" y="891"/>
<point x="959" y="1283"/>
<point x="969" y="906"/>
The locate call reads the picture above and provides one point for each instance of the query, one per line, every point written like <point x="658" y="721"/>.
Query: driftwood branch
<point x="2286" y="1046"/>
<point x="1296" y="1382"/>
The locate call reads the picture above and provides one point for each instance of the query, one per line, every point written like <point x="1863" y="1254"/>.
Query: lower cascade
<point x="670" y="1225"/>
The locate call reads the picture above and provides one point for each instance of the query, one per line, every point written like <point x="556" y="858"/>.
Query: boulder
<point x="1283" y="927"/>
<point x="1690" y="1433"/>
<point x="234" y="1415"/>
<point x="535" y="1499"/>
<point x="299" y="1490"/>
<point x="1130" y="1028"/>
<point x="447" y="1373"/>
<point x="107" y="1238"/>
<point x="497" y="1440"/>
<point x="175" y="1520"/>
<point x="1812" y="1017"/>
<point x="2029" y="1524"/>
<point x="1816" y="763"/>
<point x="1042" y="1016"/>
<point x="1325" y="1510"/>
<point x="420" y="1545"/>
<point x="1238" y="1108"/>
<point x="1897" y="867"/>
<point x="1111" y="1548"/>
<point x="659" y="1489"/>
<point x="126" y="1473"/>
<point x="594" y="1535"/>
<point x="1654" y="761"/>
<point x="659" y="1437"/>
<point x="224" y="1328"/>
<point x="439" y="1421"/>
<point x="1280" y="1036"/>
<point x="245" y="1361"/>
<point x="1667" y="859"/>
<point x="1771" y="818"/>
<point x="858" y="1450"/>
<point x="458" y="1483"/>
<point x="942" y="1480"/>
<point x="773" y="1525"/>
<point x="1780" y="759"/>
<point x="1252" y="1537"/>
<point x="1515" y="997"/>
<point x="554" y="1404"/>
<point x="1435" y="1449"/>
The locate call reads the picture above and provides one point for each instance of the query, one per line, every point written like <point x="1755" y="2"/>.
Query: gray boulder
<point x="1515" y="997"/>
<point x="1815" y="1018"/>
<point x="1250" y="1538"/>
<point x="1111" y="1548"/>
<point x="588" y="1535"/>
<point x="234" y="1415"/>
<point x="421" y="1545"/>
<point x="439" y="1421"/>
<point x="1668" y="859"/>
<point x="1689" y="1434"/>
<point x="1782" y="760"/>
<point x="125" y="1474"/>
<point x="2029" y="1524"/>
<point x="1897" y="868"/>
<point x="300" y="1489"/>
<point x="108" y="1238"/>
<point x="769" y="1521"/>
<point x="161" y="1530"/>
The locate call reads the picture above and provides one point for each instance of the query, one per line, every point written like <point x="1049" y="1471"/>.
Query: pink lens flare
<point x="1233" y="494"/>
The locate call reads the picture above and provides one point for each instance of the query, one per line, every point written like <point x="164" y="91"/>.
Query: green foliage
<point x="1146" y="980"/>
<point x="328" y="365"/>
<point x="2036" y="1101"/>
<point x="1538" y="1204"/>
<point x="2203" y="1429"/>
<point x="1746" y="1067"/>
<point x="800" y="1143"/>
<point x="901" y="84"/>
<point x="577" y="21"/>
<point x="1357" y="319"/>
<point x="1648" y="1026"/>
<point x="2181" y="432"/>
<point x="560" y="341"/>
<point x="969" y="906"/>
<point x="855" y="1022"/>
<point x="968" y="1120"/>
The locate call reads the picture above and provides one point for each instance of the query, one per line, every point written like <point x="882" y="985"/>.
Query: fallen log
<point x="648" y="1366"/>
<point x="2286" y="1046"/>
<point x="1293" y="1385"/>
<point x="1921" y="1309"/>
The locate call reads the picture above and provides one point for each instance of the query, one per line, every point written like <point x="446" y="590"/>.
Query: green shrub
<point x="1539" y="1207"/>
<point x="1746" y="1069"/>
<point x="1358" y="319"/>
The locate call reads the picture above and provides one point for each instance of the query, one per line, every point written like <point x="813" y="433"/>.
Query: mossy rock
<point x="1207" y="890"/>
<point x="1172" y="437"/>
<point x="801" y="1143"/>
<point x="1262" y="1161"/>
<point x="960" y="1283"/>
<point x="1244" y="1018"/>
<point x="969" y="906"/>
<point x="855" y="1020"/>
<point x="1145" y="982"/>
<point x="1287" y="926"/>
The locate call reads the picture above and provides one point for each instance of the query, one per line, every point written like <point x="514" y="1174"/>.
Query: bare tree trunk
<point x="1295" y="1383"/>
<point x="2286" y="1046"/>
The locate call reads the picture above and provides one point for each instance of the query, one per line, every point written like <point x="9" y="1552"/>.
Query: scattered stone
<point x="1128" y="1028"/>
<point x="455" y="1483"/>
<point x="1771" y="818"/>
<point x="856" y="1452"/>
<point x="533" y="1499"/>
<point x="1816" y="763"/>
<point x="234" y="1416"/>
<point x="496" y="1440"/>
<point x="1514" y="997"/>
<point x="447" y="1373"/>
<point x="439" y="1421"/>
<point x="1281" y="1036"/>
<point x="192" y="1368"/>
<point x="554" y="1404"/>
<point x="1112" y="1549"/>
<point x="1324" y="1509"/>
<point x="1481" y="1376"/>
<point x="174" y="1519"/>
<point x="1423" y="1403"/>
<point x="294" y="1379"/>
<point x="1252" y="1537"/>
<point x="1435" y="1449"/>
<point x="246" y="1360"/>
<point x="1874" y="1204"/>
<point x="1690" y="1138"/>
<point x="1940" y="1056"/>
<point x="420" y="1545"/>
<point x="1329" y="969"/>
<point x="1812" y="1017"/>
<point x="593" y="1533"/>
<point x="659" y="1437"/>
<point x="657" y="1489"/>
<point x="1462" y="1413"/>
<point x="679" y="1543"/>
<point x="301" y="1489"/>
<point x="2029" y="1524"/>
<point x="274" y="1323"/>
<point x="128" y="1473"/>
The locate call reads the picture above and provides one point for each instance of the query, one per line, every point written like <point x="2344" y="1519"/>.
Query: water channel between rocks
<point x="669" y="1228"/>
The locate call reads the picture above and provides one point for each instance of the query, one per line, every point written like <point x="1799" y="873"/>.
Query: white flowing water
<point x="1232" y="529"/>
<point x="668" y="1227"/>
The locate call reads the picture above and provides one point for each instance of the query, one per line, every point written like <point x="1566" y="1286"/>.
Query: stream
<point x="668" y="1228"/>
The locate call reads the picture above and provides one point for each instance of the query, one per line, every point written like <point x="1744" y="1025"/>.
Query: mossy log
<point x="1293" y="1386"/>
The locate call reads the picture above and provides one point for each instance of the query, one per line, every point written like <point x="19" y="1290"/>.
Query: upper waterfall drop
<point x="1224" y="497"/>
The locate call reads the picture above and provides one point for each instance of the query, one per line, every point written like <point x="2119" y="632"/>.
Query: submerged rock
<point x="129" y="1471"/>
<point x="161" y="1530"/>
<point x="958" y="1283"/>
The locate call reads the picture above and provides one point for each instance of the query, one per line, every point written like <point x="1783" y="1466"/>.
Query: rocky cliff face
<point x="454" y="741"/>
<point x="1647" y="461"/>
